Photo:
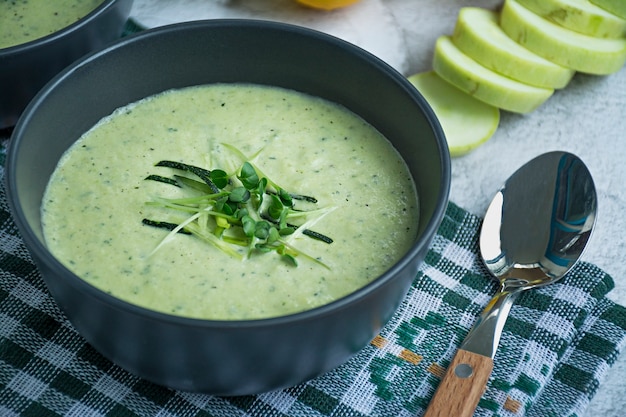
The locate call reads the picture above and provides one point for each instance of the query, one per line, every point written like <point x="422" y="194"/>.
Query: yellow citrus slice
<point x="327" y="4"/>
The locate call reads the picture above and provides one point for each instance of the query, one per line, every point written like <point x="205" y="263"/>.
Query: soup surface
<point x="22" y="21"/>
<point x="98" y="198"/>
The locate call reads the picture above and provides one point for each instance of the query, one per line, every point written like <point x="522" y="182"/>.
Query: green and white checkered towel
<point x="557" y="344"/>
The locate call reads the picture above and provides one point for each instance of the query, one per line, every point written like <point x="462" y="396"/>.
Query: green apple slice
<point x="478" y="35"/>
<point x="563" y="46"/>
<point x="497" y="90"/>
<point x="466" y="121"/>
<point x="617" y="7"/>
<point x="580" y="16"/>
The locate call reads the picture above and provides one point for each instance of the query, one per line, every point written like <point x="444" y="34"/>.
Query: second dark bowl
<point x="26" y="68"/>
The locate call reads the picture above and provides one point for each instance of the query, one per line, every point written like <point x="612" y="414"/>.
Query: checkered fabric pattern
<point x="557" y="344"/>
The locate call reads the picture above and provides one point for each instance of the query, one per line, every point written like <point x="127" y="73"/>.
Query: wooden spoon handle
<point x="462" y="386"/>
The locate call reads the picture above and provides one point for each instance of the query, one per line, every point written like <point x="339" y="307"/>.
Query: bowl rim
<point x="34" y="243"/>
<point x="42" y="41"/>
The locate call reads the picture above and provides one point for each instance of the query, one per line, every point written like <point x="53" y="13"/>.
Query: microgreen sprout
<point x="244" y="209"/>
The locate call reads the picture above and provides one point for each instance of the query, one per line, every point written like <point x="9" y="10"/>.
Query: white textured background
<point x="587" y="118"/>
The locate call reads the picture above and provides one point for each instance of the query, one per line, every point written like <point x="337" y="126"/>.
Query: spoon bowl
<point x="539" y="222"/>
<point x="534" y="231"/>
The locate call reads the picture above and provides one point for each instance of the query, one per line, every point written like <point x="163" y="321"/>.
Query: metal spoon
<point x="534" y="231"/>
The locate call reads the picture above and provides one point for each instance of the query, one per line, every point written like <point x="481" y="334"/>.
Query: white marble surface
<point x="587" y="118"/>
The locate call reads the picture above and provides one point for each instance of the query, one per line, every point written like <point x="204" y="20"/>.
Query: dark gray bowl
<point x="26" y="68"/>
<point x="219" y="357"/>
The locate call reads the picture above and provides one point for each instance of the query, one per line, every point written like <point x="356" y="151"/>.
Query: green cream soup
<point x="98" y="199"/>
<point x="26" y="20"/>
